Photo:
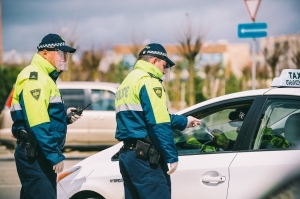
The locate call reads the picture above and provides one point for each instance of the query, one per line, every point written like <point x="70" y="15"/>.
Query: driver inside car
<point x="221" y="142"/>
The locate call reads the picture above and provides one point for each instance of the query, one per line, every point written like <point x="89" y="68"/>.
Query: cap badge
<point x="242" y="115"/>
<point x="62" y="38"/>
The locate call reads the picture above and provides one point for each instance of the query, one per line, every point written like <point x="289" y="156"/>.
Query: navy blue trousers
<point x="141" y="180"/>
<point x="36" y="175"/>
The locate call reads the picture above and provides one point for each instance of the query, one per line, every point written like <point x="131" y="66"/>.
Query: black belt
<point x="131" y="144"/>
<point x="131" y="147"/>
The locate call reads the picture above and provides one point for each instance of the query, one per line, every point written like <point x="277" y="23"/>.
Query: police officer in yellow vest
<point x="145" y="127"/>
<point x="40" y="119"/>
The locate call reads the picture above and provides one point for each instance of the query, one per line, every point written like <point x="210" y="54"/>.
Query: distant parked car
<point x="255" y="121"/>
<point x="97" y="125"/>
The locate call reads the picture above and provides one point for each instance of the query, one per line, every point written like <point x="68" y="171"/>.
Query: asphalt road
<point x="9" y="182"/>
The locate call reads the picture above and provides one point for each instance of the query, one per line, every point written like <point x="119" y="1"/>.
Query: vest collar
<point x="149" y="68"/>
<point x="45" y="66"/>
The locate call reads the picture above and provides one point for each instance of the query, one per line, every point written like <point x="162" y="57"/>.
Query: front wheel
<point x="87" y="195"/>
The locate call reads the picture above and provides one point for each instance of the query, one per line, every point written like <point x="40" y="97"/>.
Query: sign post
<point x="252" y="7"/>
<point x="252" y="30"/>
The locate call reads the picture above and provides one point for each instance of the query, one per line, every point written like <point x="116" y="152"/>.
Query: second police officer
<point x="145" y="127"/>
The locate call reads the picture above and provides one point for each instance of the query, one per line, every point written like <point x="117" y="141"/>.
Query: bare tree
<point x="177" y="86"/>
<point x="90" y="61"/>
<point x="272" y="56"/>
<point x="213" y="76"/>
<point x="69" y="33"/>
<point x="189" y="48"/>
<point x="116" y="73"/>
<point x="67" y="75"/>
<point x="263" y="75"/>
<point x="296" y="52"/>
<point x="137" y="45"/>
<point x="296" y="59"/>
<point x="135" y="50"/>
<point x="246" y="76"/>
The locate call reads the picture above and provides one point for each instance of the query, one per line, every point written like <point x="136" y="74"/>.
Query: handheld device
<point x="77" y="111"/>
<point x="207" y="130"/>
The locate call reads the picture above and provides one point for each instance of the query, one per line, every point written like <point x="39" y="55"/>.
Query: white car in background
<point x="97" y="125"/>
<point x="248" y="170"/>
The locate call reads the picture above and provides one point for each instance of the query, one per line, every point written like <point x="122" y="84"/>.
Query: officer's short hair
<point x="145" y="57"/>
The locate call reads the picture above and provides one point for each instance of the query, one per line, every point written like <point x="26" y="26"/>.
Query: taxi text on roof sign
<point x="287" y="78"/>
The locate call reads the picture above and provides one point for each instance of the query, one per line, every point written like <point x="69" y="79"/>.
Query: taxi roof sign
<point x="287" y="78"/>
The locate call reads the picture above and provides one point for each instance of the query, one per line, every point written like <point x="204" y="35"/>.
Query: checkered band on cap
<point x="53" y="45"/>
<point x="155" y="53"/>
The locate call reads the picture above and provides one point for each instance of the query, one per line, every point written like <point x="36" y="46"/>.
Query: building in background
<point x="236" y="55"/>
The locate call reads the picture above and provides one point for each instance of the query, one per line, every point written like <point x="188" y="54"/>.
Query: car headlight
<point x="67" y="172"/>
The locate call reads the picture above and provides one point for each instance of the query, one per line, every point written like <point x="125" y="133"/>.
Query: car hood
<point x="100" y="158"/>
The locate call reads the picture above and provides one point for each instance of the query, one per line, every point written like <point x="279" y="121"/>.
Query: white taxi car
<point x="263" y="127"/>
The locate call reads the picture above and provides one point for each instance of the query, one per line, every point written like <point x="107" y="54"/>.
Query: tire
<point x="87" y="195"/>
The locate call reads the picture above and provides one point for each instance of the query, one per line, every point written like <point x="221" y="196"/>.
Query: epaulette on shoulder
<point x="33" y="75"/>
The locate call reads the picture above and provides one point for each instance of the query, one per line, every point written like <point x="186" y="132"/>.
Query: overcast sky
<point x="107" y="22"/>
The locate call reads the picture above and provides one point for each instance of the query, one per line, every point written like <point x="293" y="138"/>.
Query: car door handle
<point x="213" y="179"/>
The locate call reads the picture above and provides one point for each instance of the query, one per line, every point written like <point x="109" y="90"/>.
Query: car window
<point x="224" y="121"/>
<point x="279" y="126"/>
<point x="73" y="97"/>
<point x="102" y="100"/>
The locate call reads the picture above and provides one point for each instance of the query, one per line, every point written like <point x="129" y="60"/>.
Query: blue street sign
<point x="252" y="30"/>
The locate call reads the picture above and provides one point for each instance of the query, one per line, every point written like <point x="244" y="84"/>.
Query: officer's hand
<point x="192" y="121"/>
<point x="59" y="167"/>
<point x="73" y="117"/>
<point x="172" y="167"/>
<point x="220" y="138"/>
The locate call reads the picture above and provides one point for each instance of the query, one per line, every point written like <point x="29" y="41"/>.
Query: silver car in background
<point x="97" y="125"/>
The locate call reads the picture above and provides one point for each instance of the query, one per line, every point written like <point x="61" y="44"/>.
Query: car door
<point x="102" y="123"/>
<point x="203" y="170"/>
<point x="202" y="176"/>
<point x="270" y="150"/>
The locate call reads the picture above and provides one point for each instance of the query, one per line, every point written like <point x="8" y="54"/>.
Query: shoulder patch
<point x="33" y="75"/>
<point x="36" y="93"/>
<point x="158" y="91"/>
